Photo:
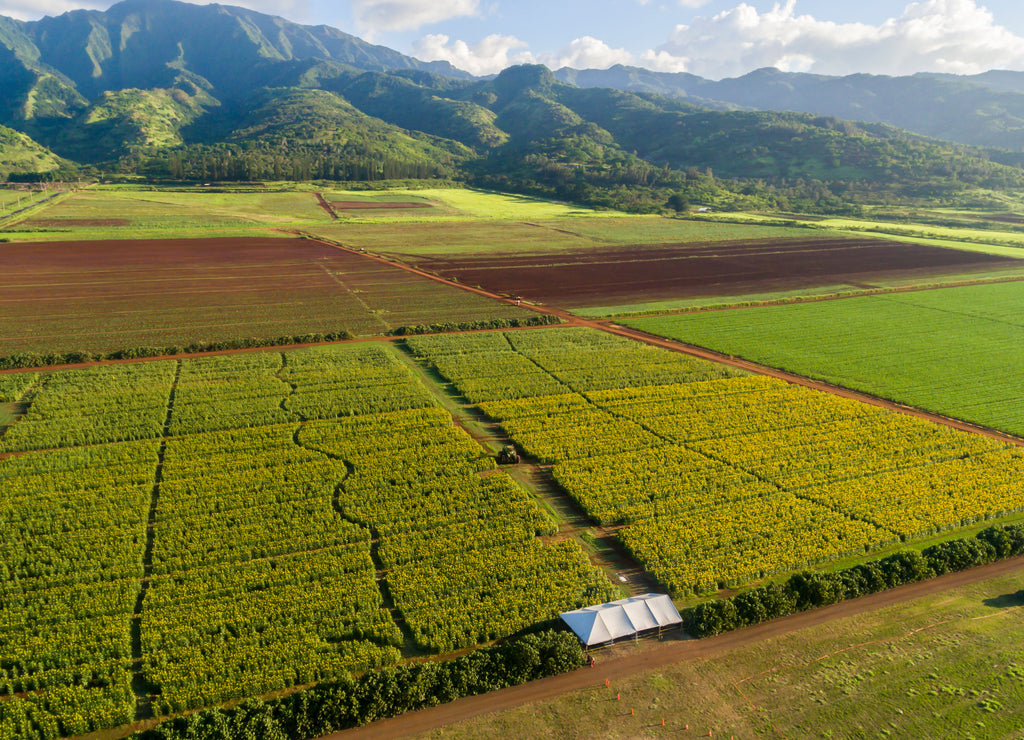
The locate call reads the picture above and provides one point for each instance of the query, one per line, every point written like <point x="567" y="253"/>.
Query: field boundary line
<point x="802" y="380"/>
<point x="611" y="327"/>
<point x="140" y="685"/>
<point x="768" y="302"/>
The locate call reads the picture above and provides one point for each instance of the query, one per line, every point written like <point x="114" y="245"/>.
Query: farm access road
<point x="669" y="652"/>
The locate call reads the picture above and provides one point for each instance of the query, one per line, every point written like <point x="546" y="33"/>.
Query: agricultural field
<point x="715" y="480"/>
<point x="612" y="276"/>
<point x="954" y="351"/>
<point x="521" y="234"/>
<point x="946" y="665"/>
<point x="109" y="295"/>
<point x="323" y="516"/>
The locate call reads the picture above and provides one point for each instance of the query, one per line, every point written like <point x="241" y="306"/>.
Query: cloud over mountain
<point x="954" y="36"/>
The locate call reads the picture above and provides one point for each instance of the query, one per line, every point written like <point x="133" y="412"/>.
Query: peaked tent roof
<point x="622" y="618"/>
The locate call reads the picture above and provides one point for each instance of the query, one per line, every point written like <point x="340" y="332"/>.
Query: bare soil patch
<point x="368" y="205"/>
<point x="606" y="276"/>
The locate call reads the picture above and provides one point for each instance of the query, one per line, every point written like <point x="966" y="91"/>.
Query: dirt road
<point x="669" y="652"/>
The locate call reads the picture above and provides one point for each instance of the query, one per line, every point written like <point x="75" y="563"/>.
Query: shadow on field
<point x="1005" y="601"/>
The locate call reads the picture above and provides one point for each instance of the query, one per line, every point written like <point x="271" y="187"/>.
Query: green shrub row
<point x="544" y="319"/>
<point x="75" y="357"/>
<point x="350" y="702"/>
<point x="809" y="590"/>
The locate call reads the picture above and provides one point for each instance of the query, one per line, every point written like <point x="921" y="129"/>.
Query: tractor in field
<point x="508" y="455"/>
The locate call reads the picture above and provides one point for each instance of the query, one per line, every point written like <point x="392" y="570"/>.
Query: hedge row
<point x="543" y="319"/>
<point x="350" y="702"/>
<point x="808" y="590"/>
<point x="33" y="359"/>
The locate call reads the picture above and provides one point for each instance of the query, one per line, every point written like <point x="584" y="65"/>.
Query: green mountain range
<point x="168" y="89"/>
<point x="985" y="110"/>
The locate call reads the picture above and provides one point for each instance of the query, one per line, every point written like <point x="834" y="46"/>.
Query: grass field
<point x="949" y="665"/>
<point x="955" y="351"/>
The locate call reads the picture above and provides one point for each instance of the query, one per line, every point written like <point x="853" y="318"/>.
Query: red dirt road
<point x="667" y="653"/>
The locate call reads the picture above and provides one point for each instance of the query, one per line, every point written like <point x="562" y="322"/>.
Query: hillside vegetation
<point x="171" y="90"/>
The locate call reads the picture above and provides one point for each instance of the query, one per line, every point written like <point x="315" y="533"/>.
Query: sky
<point x="710" y="38"/>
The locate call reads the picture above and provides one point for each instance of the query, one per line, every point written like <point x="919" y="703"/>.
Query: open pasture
<point x="632" y="275"/>
<point x="107" y="295"/>
<point x="954" y="351"/>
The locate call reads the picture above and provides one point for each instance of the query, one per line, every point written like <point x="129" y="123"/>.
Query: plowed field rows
<point x="624" y="275"/>
<point x="107" y="295"/>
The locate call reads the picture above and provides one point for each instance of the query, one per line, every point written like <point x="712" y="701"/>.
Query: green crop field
<point x="948" y="665"/>
<point x="721" y="480"/>
<point x="955" y="351"/>
<point x="138" y="213"/>
<point x="522" y="233"/>
<point x="183" y="533"/>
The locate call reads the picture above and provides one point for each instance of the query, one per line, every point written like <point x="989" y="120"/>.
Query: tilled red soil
<point x="106" y="295"/>
<point x="607" y="276"/>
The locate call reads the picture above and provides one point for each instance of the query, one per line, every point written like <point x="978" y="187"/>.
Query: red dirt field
<point x="367" y="205"/>
<point x="107" y="295"/>
<point x="607" y="276"/>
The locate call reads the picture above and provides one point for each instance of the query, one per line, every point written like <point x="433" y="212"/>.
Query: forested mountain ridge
<point x="985" y="110"/>
<point x="142" y="88"/>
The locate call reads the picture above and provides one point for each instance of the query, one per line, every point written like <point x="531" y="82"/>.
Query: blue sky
<point x="712" y="38"/>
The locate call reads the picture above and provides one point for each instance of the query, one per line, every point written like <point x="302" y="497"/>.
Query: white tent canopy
<point x="623" y="618"/>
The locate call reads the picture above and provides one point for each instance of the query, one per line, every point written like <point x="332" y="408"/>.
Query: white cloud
<point x="30" y="10"/>
<point x="663" y="61"/>
<point x="490" y="56"/>
<point x="586" y="53"/>
<point x="405" y="15"/>
<point x="495" y="52"/>
<point x="931" y="35"/>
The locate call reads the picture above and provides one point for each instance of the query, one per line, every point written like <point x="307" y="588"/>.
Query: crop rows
<point x="72" y="531"/>
<point x="723" y="479"/>
<point x="112" y="403"/>
<point x="954" y="350"/>
<point x="463" y="560"/>
<point x="307" y="505"/>
<point x="14" y="385"/>
<point x="261" y="388"/>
